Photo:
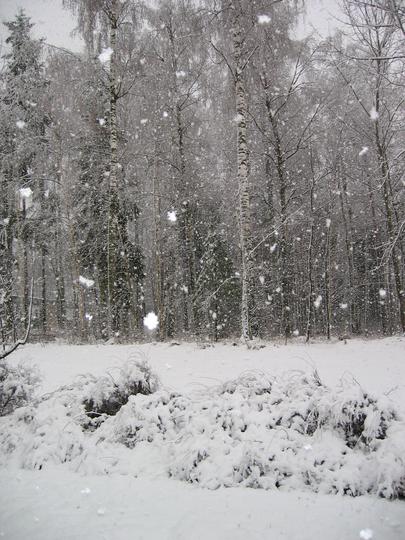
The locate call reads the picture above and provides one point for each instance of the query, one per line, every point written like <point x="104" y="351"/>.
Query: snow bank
<point x="289" y="432"/>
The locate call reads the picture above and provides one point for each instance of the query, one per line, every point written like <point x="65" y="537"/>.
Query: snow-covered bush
<point x="106" y="395"/>
<point x="17" y="386"/>
<point x="293" y="432"/>
<point x="289" y="432"/>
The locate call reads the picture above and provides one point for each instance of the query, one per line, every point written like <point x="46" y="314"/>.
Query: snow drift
<point x="288" y="432"/>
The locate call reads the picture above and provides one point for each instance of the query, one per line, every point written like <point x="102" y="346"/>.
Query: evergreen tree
<point x="22" y="173"/>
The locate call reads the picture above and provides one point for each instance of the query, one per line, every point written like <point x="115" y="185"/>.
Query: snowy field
<point x="58" y="502"/>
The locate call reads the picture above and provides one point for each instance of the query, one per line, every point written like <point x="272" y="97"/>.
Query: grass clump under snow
<point x="289" y="432"/>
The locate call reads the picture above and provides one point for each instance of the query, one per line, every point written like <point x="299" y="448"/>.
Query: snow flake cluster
<point x="151" y="321"/>
<point x="86" y="282"/>
<point x="263" y="19"/>
<point x="105" y="55"/>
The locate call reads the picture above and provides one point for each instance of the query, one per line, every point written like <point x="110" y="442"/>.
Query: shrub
<point x="106" y="395"/>
<point x="17" y="386"/>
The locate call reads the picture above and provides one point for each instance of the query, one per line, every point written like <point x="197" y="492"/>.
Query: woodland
<point x="202" y="162"/>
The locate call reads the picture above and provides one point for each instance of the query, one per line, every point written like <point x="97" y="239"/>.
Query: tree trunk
<point x="113" y="284"/>
<point x="243" y="180"/>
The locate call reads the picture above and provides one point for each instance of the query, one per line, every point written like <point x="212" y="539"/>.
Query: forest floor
<point x="58" y="503"/>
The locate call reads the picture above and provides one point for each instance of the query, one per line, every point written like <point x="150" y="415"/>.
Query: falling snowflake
<point x="263" y="19"/>
<point x="105" y="55"/>
<point x="165" y="114"/>
<point x="296" y="333"/>
<point x="144" y="121"/>
<point x="171" y="215"/>
<point x="20" y="124"/>
<point x="261" y="279"/>
<point x="318" y="302"/>
<point x="101" y="121"/>
<point x="374" y="114"/>
<point x="151" y="321"/>
<point x="88" y="316"/>
<point x="328" y="223"/>
<point x="273" y="248"/>
<point x="363" y="151"/>
<point x="86" y="282"/>
<point x="180" y="73"/>
<point x="382" y="293"/>
<point x="26" y="192"/>
<point x="366" y="534"/>
<point x="343" y="306"/>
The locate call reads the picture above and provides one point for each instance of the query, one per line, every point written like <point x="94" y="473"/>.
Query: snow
<point x="20" y="124"/>
<point x="86" y="282"/>
<point x="238" y="118"/>
<point x="328" y="222"/>
<point x="374" y="114"/>
<point x="273" y="248"/>
<point x="64" y="500"/>
<point x="26" y="193"/>
<point x="151" y="321"/>
<point x="154" y="509"/>
<point x="193" y="365"/>
<point x="263" y="19"/>
<point x="318" y="302"/>
<point x="382" y="293"/>
<point x="180" y="73"/>
<point x="172" y="216"/>
<point x="366" y="534"/>
<point x="105" y="55"/>
<point x="101" y="121"/>
<point x="364" y="150"/>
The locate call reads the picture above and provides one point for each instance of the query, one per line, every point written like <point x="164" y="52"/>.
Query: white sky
<point x="52" y="22"/>
<point x="56" y="24"/>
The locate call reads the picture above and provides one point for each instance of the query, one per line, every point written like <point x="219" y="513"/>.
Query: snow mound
<point x="289" y="432"/>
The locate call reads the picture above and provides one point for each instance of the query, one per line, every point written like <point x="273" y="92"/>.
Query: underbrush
<point x="289" y="432"/>
<point x="17" y="386"/>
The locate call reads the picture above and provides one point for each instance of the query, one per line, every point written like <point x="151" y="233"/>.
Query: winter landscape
<point x="202" y="277"/>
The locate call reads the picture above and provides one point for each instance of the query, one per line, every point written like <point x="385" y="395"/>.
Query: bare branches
<point x="6" y="352"/>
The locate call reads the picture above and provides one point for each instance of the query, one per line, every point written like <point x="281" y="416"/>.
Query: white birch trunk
<point x="243" y="178"/>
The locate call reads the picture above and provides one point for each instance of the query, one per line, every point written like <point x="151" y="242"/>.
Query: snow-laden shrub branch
<point x="17" y="386"/>
<point x="106" y="395"/>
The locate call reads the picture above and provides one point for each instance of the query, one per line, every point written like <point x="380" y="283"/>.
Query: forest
<point x="201" y="163"/>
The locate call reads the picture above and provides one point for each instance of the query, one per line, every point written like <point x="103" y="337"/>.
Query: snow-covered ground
<point x="57" y="502"/>
<point x="379" y="365"/>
